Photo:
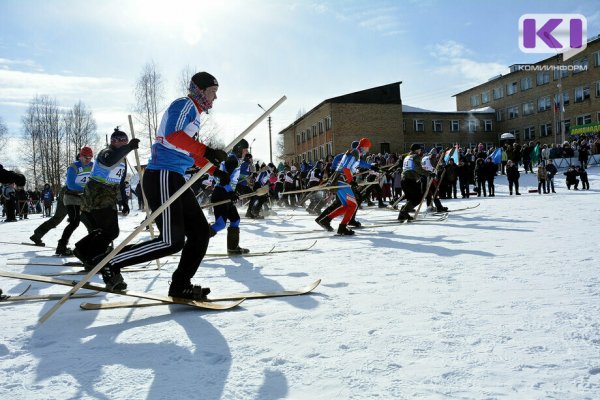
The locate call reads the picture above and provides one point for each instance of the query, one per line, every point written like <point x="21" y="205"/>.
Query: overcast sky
<point x="259" y="50"/>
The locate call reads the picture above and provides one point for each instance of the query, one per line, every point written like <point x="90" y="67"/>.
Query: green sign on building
<point x="594" y="127"/>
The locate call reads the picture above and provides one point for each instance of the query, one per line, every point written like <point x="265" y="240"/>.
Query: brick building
<point x="528" y="102"/>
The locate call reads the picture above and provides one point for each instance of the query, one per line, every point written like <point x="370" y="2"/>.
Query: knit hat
<point x="364" y="143"/>
<point x="204" y="80"/>
<point x="86" y="151"/>
<point x="415" y="147"/>
<point x="118" y="136"/>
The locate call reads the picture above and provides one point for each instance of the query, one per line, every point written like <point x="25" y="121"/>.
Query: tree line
<point x="53" y="135"/>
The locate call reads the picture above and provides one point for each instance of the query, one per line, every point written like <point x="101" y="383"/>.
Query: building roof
<point x="542" y="62"/>
<point x="385" y="94"/>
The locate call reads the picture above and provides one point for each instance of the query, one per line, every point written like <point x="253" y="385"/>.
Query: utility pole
<point x="270" y="142"/>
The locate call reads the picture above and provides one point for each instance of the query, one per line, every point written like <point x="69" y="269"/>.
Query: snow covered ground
<point x="498" y="302"/>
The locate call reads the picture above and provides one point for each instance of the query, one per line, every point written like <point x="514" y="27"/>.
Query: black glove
<point x="125" y="209"/>
<point x="354" y="185"/>
<point x="375" y="168"/>
<point x="222" y="176"/>
<point x="233" y="196"/>
<point x="215" y="156"/>
<point x="432" y="175"/>
<point x="134" y="143"/>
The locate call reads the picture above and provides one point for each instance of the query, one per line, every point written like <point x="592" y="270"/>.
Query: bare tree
<point x="43" y="129"/>
<point x="3" y="137"/>
<point x="149" y="98"/>
<point x="185" y="76"/>
<point x="210" y="132"/>
<point x="80" y="130"/>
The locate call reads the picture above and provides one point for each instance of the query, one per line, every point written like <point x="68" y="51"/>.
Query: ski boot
<point x="325" y="223"/>
<point x="188" y="291"/>
<point x="37" y="240"/>
<point x="344" y="231"/>
<point x="233" y="241"/>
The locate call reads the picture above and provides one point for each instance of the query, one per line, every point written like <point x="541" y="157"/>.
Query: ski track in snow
<point x="502" y="301"/>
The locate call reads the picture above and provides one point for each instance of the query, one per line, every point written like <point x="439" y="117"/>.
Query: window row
<point x="454" y="125"/>
<point x="316" y="154"/>
<point x="317" y="129"/>
<point x="546" y="103"/>
<point x="526" y="83"/>
<point x="546" y="130"/>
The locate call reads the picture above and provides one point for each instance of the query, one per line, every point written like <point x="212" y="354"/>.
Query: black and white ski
<point x="460" y="209"/>
<point x="51" y="296"/>
<point x="142" y="295"/>
<point x="228" y="297"/>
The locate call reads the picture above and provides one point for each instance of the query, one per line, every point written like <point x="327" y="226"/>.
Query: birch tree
<point x="149" y="91"/>
<point x="80" y="130"/>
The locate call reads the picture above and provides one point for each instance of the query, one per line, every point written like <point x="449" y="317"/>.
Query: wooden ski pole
<point x="261" y="191"/>
<point x="151" y="218"/>
<point x="140" y="175"/>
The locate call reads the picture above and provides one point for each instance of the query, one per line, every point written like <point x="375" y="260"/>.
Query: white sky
<point x="259" y="50"/>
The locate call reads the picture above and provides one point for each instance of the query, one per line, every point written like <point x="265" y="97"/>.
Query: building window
<point x="544" y="103"/>
<point x="528" y="108"/>
<point x="487" y="125"/>
<point x="419" y="125"/>
<point x="513" y="112"/>
<point x="485" y="97"/>
<point x="529" y="133"/>
<point x="298" y="139"/>
<point x="543" y="78"/>
<point x="472" y="125"/>
<point x="526" y="83"/>
<point x="498" y="93"/>
<point x="314" y="130"/>
<point x="516" y="133"/>
<point x="511" y="88"/>
<point x="327" y="123"/>
<point x="329" y="148"/>
<point x="583" y="119"/>
<point x="315" y="156"/>
<point x="437" y="125"/>
<point x="598" y="89"/>
<point x="563" y="73"/>
<point x="501" y="114"/>
<point x="321" y="127"/>
<point x="321" y="152"/>
<point x="454" y="125"/>
<point x="545" y="130"/>
<point x="474" y="101"/>
<point x="565" y="98"/>
<point x="582" y="93"/>
<point x="580" y="65"/>
<point x="303" y="137"/>
<point x="385" y="148"/>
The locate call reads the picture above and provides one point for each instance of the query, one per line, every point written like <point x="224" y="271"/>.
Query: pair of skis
<point x="272" y="250"/>
<point x="212" y="303"/>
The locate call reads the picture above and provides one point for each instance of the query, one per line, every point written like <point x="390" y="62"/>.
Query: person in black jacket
<point x="463" y="171"/>
<point x="551" y="171"/>
<point x="572" y="180"/>
<point x="490" y="175"/>
<point x="512" y="174"/>
<point x="480" y="177"/>
<point x="585" y="184"/>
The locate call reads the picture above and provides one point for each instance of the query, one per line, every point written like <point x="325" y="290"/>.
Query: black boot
<point x="36" y="240"/>
<point x="188" y="291"/>
<point x="62" y="249"/>
<point x="113" y="279"/>
<point x="233" y="241"/>
<point x="325" y="223"/>
<point x="355" y="223"/>
<point x="343" y="230"/>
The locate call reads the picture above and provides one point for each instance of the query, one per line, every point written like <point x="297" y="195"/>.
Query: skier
<point x="412" y="171"/>
<point x="182" y="225"/>
<point x="98" y="201"/>
<point x="47" y="198"/>
<point x="78" y="174"/>
<point x="225" y="189"/>
<point x="342" y="176"/>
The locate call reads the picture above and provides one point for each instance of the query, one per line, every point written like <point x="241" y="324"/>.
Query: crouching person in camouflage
<point x="98" y="202"/>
